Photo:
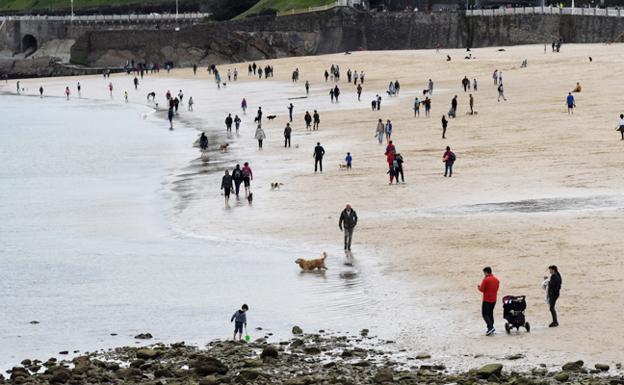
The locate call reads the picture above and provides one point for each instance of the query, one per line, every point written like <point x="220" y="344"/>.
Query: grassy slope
<point x="284" y="5"/>
<point x="42" y="5"/>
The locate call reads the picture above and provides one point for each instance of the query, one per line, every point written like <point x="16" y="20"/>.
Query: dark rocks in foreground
<point x="306" y="360"/>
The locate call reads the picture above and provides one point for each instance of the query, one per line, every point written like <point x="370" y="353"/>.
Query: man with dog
<point x="489" y="288"/>
<point x="348" y="221"/>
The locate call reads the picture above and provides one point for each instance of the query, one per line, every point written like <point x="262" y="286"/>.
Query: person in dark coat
<point x="319" y="152"/>
<point x="226" y="185"/>
<point x="554" y="287"/>
<point x="348" y="221"/>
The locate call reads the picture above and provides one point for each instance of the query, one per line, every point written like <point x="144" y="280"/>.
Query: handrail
<point x="105" y="18"/>
<point x="609" y="12"/>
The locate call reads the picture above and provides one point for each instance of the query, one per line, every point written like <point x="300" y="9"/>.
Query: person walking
<point x="620" y="126"/>
<point x="444" y="126"/>
<point x="571" y="104"/>
<point x="260" y="136"/>
<point x="554" y="287"/>
<point x="453" y="112"/>
<point x="348" y="221"/>
<point x="427" y="103"/>
<point x="170" y="115"/>
<point x="226" y="186"/>
<point x="247" y="178"/>
<point x="308" y="120"/>
<point x="359" y="92"/>
<point x="416" y="107"/>
<point x="430" y="87"/>
<point x="41" y="91"/>
<point x="471" y="104"/>
<point x="136" y="83"/>
<point x="319" y="152"/>
<point x="307" y="87"/>
<point x="380" y="131"/>
<point x="287" y="132"/>
<point x="489" y="287"/>
<point x="228" y="124"/>
<point x="237" y="177"/>
<point x="466" y="83"/>
<point x="398" y="161"/>
<point x="501" y="92"/>
<point x="203" y="141"/>
<point x="474" y="85"/>
<point x="67" y="92"/>
<point x="244" y="105"/>
<point x="237" y="120"/>
<point x="317" y="120"/>
<point x="349" y="159"/>
<point x="388" y="130"/>
<point x="190" y="104"/>
<point x="291" y="107"/>
<point x="449" y="159"/>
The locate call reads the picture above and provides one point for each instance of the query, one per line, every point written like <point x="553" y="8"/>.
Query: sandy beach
<point x="532" y="185"/>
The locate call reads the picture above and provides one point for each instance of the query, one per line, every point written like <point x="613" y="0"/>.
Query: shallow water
<point x="93" y="198"/>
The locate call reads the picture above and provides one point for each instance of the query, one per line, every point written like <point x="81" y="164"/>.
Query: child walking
<point x="240" y="319"/>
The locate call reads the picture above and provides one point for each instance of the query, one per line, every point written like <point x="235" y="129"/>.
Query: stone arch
<point x="29" y="44"/>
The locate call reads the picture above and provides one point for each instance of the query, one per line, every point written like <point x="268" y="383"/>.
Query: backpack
<point x="452" y="157"/>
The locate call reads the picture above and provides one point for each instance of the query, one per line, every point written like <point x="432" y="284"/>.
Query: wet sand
<point x="431" y="237"/>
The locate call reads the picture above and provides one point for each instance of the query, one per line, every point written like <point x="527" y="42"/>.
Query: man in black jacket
<point x="348" y="221"/>
<point x="319" y="151"/>
<point x="554" y="287"/>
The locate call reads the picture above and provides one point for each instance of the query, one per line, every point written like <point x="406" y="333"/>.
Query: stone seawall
<point x="336" y="30"/>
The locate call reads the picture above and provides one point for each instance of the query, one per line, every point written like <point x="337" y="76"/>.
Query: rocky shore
<point x="318" y="358"/>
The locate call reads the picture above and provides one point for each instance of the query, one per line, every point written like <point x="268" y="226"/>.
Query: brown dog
<point x="311" y="264"/>
<point x="224" y="147"/>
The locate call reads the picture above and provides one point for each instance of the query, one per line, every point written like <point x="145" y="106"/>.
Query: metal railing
<point x="153" y="17"/>
<point x="612" y="12"/>
<point x="337" y="3"/>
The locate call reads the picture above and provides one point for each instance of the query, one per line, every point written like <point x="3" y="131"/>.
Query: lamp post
<point x="72" y="10"/>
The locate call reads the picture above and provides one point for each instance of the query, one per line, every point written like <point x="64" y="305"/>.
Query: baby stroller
<point x="513" y="312"/>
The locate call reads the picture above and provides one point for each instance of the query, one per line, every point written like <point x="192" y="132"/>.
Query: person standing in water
<point x="170" y="115"/>
<point x="240" y="319"/>
<point x="228" y="124"/>
<point x="41" y="92"/>
<point x="226" y="186"/>
<point x="67" y="92"/>
<point x="79" y="88"/>
<point x="260" y="136"/>
<point x="247" y="178"/>
<point x="237" y="177"/>
<point x="237" y="121"/>
<point x="346" y="224"/>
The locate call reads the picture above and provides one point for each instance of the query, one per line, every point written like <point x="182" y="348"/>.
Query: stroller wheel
<point x="527" y="326"/>
<point x="507" y="328"/>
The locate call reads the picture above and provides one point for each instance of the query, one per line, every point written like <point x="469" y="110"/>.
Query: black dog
<point x="250" y="198"/>
<point x="271" y="117"/>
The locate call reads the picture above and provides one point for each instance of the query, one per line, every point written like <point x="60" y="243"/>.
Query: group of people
<point x="230" y="183"/>
<point x="489" y="287"/>
<point x="258" y="70"/>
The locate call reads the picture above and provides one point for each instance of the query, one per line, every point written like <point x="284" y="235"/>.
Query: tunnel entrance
<point x="29" y="45"/>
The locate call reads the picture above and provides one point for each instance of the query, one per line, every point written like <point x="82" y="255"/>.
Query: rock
<point x="423" y="356"/>
<point x="574" y="366"/>
<point x="362" y="364"/>
<point x="81" y="361"/>
<point x="64" y="352"/>
<point x="209" y="380"/>
<point x="602" y="367"/>
<point x="34" y="322"/>
<point x="26" y="362"/>
<point x="248" y="375"/>
<point x="383" y="375"/>
<point x="312" y="350"/>
<point x="296" y="343"/>
<point x="60" y="375"/>
<point x="489" y="370"/>
<point x="205" y="365"/>
<point x="296" y="330"/>
<point x="618" y="366"/>
<point x="513" y="357"/>
<point x="147" y="354"/>
<point x="19" y="371"/>
<point x="252" y="363"/>
<point x="364" y="332"/>
<point x="562" y="376"/>
<point x="137" y="363"/>
<point x="269" y="351"/>
<point x="143" y="336"/>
